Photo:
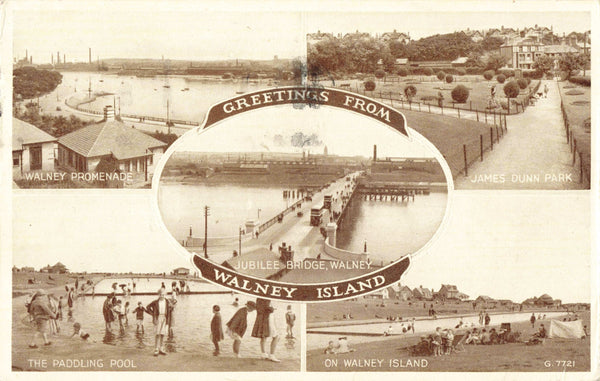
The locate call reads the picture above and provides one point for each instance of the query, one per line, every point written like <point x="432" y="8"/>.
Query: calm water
<point x="182" y="206"/>
<point x="149" y="96"/>
<point x="192" y="317"/>
<point x="392" y="229"/>
<point x="421" y="326"/>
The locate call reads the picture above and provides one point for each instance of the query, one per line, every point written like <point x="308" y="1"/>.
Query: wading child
<point x="436" y="342"/>
<point x="126" y="313"/>
<point x="139" y="317"/>
<point x="79" y="332"/>
<point x="290" y="319"/>
<point x="216" y="329"/>
<point x="160" y="310"/>
<point x="236" y="327"/>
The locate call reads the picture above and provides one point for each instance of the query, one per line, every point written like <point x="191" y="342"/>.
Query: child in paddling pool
<point x="216" y="329"/>
<point x="139" y="317"/>
<point x="77" y="331"/>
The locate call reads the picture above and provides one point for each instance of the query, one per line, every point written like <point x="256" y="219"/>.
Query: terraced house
<point x="110" y="146"/>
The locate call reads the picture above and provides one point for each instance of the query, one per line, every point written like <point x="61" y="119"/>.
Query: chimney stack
<point x="109" y="113"/>
<point x="64" y="58"/>
<point x="52" y="58"/>
<point x="374" y="153"/>
<point x="57" y="57"/>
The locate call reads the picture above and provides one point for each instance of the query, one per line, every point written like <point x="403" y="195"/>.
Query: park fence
<point x="578" y="157"/>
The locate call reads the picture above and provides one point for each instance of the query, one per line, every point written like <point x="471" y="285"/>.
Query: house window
<point x="16" y="159"/>
<point x="150" y="159"/>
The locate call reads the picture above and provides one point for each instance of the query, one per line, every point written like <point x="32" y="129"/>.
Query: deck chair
<point x="457" y="343"/>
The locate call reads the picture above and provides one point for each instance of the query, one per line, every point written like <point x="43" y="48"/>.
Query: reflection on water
<point x="391" y="229"/>
<point x="148" y="96"/>
<point x="182" y="207"/>
<point x="191" y="328"/>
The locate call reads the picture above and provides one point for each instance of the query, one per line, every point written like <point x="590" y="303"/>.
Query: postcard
<point x="254" y="190"/>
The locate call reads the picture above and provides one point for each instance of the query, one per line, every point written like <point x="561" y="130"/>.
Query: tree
<point x="441" y="75"/>
<point x="29" y="82"/>
<point x="488" y="74"/>
<point x="428" y="71"/>
<point x="460" y="94"/>
<point x="501" y="78"/>
<point x="402" y="72"/>
<point x="543" y="64"/>
<point x="369" y="85"/>
<point x="522" y="82"/>
<point x="511" y="90"/>
<point x="449" y="78"/>
<point x="495" y="61"/>
<point x="410" y="91"/>
<point x="570" y="62"/>
<point x="379" y="73"/>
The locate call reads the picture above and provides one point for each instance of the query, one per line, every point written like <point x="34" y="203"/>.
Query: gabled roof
<point x="401" y="61"/>
<point x="449" y="287"/>
<point x="110" y="137"/>
<point x="560" y="49"/>
<point x="485" y="298"/>
<point x="26" y="133"/>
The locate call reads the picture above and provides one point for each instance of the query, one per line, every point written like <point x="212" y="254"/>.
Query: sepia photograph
<point x="504" y="96"/>
<point x="302" y="195"/>
<point x="97" y="100"/>
<point x="493" y="294"/>
<point x="121" y="300"/>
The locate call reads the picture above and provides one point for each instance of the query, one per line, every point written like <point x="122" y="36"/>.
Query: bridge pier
<point x="331" y="229"/>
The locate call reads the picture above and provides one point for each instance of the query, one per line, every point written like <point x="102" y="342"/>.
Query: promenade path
<point x="534" y="154"/>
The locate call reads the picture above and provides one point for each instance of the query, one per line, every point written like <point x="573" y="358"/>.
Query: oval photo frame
<point x="341" y="191"/>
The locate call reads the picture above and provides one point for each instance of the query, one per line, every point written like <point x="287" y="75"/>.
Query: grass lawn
<point x="449" y="134"/>
<point x="577" y="103"/>
<point x="511" y="357"/>
<point x="428" y="88"/>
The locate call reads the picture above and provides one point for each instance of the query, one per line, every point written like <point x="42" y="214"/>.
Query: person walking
<point x="236" y="326"/>
<point x="41" y="312"/>
<point x="487" y="319"/>
<point x="545" y="90"/>
<point x="160" y="310"/>
<point x="264" y="328"/>
<point x="532" y="320"/>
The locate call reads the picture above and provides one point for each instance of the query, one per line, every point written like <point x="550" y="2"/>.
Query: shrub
<point x="410" y="91"/>
<point x="460" y="94"/>
<point x="427" y="71"/>
<point x="461" y="71"/>
<point x="507" y="72"/>
<point x="584" y="81"/>
<point x="512" y="89"/>
<point x="441" y="75"/>
<point x="227" y="76"/>
<point x="522" y="83"/>
<point x="379" y="73"/>
<point x="574" y="92"/>
<point x="402" y="72"/>
<point x="474" y="70"/>
<point x="488" y="74"/>
<point x="449" y="78"/>
<point x="369" y="85"/>
<point x="501" y="78"/>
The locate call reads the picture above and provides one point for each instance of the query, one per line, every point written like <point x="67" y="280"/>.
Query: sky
<point x="184" y="30"/>
<point x="506" y="244"/>
<point x="345" y="133"/>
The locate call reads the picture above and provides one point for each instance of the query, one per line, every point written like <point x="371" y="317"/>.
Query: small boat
<point x="240" y="92"/>
<point x="167" y="86"/>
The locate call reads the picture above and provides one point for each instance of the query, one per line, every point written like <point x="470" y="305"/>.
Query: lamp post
<point x="240" y="241"/>
<point x="206" y="214"/>
<point x="258" y="214"/>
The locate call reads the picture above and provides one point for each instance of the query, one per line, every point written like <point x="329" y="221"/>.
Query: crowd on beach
<point x="45" y="313"/>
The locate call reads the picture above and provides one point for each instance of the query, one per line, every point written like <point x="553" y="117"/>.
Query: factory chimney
<point x="374" y="153"/>
<point x="90" y="55"/>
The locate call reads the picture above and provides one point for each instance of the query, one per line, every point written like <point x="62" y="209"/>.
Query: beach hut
<point x="32" y="148"/>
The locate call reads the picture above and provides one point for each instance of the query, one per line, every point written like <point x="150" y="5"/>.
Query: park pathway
<point x="534" y="154"/>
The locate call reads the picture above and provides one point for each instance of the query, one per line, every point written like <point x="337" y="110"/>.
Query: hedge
<point x="580" y="80"/>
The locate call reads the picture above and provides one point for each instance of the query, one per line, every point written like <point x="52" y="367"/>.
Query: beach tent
<point x="566" y="329"/>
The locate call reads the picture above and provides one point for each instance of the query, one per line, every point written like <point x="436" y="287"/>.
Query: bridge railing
<point x="274" y="220"/>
